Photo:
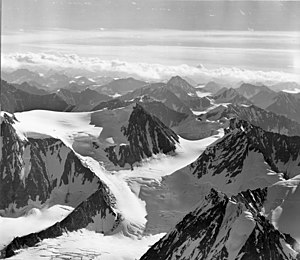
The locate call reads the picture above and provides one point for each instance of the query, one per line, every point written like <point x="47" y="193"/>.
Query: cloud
<point x="74" y="64"/>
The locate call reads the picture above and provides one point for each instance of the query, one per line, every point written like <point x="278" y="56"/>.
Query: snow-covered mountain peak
<point x="223" y="228"/>
<point x="40" y="171"/>
<point x="145" y="136"/>
<point x="247" y="157"/>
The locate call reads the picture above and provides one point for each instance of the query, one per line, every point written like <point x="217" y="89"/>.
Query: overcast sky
<point x="140" y="35"/>
<point x="149" y="14"/>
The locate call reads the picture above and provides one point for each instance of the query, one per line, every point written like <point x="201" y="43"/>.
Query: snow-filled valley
<point x="111" y="183"/>
<point x="35" y="219"/>
<point x="150" y="130"/>
<point x="138" y="192"/>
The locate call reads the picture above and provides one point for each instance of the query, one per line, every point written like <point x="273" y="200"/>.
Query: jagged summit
<point x="146" y="135"/>
<point x="246" y="157"/>
<point x="95" y="213"/>
<point x="39" y="171"/>
<point x="267" y="120"/>
<point x="221" y="227"/>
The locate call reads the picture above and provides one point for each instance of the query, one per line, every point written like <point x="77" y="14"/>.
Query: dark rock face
<point x="201" y="225"/>
<point x="252" y="199"/>
<point x="267" y="120"/>
<point x="16" y="100"/>
<point x="267" y="241"/>
<point x="146" y="135"/>
<point x="99" y="204"/>
<point x="275" y="147"/>
<point x="32" y="169"/>
<point x="280" y="152"/>
<point x="208" y="232"/>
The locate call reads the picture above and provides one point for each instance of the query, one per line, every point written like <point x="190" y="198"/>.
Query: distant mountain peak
<point x="230" y="96"/>
<point x="267" y="120"/>
<point x="249" y="90"/>
<point x="179" y="82"/>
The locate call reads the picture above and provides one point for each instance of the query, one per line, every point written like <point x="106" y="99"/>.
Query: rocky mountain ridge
<point x="146" y="136"/>
<point x="221" y="227"/>
<point x="267" y="120"/>
<point x="36" y="172"/>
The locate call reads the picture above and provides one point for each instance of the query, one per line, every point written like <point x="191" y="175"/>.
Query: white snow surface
<point x="86" y="245"/>
<point x="65" y="126"/>
<point x="125" y="185"/>
<point x="34" y="221"/>
<point x="295" y="91"/>
<point x="151" y="197"/>
<point x="116" y="95"/>
<point x="240" y="231"/>
<point x="255" y="174"/>
<point x="203" y="94"/>
<point x="283" y="206"/>
<point x="162" y="165"/>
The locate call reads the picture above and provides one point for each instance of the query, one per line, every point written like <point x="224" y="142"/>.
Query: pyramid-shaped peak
<point x="177" y="81"/>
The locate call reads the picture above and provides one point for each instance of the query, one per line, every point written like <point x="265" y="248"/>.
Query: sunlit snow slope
<point x="127" y="186"/>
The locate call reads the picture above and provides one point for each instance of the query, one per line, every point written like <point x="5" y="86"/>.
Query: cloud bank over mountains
<point x="74" y="64"/>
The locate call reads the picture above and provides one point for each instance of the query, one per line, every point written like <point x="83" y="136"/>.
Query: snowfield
<point x="133" y="189"/>
<point x="283" y="206"/>
<point x="34" y="221"/>
<point x="86" y="245"/>
<point x="62" y="125"/>
<point x="151" y="198"/>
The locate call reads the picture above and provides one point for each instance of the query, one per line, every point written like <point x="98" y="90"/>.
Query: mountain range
<point x="154" y="170"/>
